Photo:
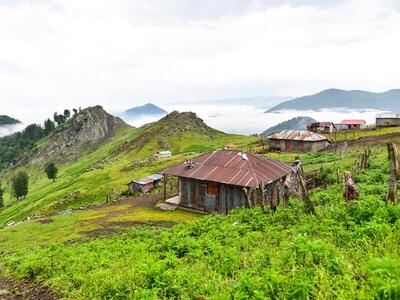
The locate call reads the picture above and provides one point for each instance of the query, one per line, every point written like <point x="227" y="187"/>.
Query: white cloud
<point x="65" y="53"/>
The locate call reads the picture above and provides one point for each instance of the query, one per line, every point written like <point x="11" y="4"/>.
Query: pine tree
<point x="51" y="171"/>
<point x="19" y="184"/>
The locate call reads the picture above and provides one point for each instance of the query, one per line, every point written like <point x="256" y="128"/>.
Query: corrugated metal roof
<point x="353" y="122"/>
<point x="231" y="167"/>
<point x="388" y="116"/>
<point x="297" y="135"/>
<point x="148" y="179"/>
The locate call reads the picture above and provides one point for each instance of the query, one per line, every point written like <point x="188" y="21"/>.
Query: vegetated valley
<point x="81" y="237"/>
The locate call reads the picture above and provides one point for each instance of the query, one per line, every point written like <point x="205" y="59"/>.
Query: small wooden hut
<point x="145" y="184"/>
<point x="222" y="180"/>
<point x="297" y="141"/>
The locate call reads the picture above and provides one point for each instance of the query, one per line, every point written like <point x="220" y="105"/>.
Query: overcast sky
<point x="118" y="53"/>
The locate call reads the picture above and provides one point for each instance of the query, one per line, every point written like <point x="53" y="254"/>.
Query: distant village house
<point x="218" y="181"/>
<point x="161" y="154"/>
<point x="297" y="141"/>
<point x="387" y="120"/>
<point x="144" y="185"/>
<point x="321" y="127"/>
<point x="353" y="124"/>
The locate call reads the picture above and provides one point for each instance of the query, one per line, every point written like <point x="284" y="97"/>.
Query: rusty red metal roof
<point x="231" y="167"/>
<point x="353" y="122"/>
<point x="297" y="135"/>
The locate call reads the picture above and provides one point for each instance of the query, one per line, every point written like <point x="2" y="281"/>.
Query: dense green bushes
<point x="347" y="251"/>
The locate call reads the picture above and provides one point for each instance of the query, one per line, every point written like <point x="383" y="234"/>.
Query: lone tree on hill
<point x="19" y="184"/>
<point x="51" y="171"/>
<point x="49" y="126"/>
<point x="1" y="196"/>
<point x="67" y="114"/>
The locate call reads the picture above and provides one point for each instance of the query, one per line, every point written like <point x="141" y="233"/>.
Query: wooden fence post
<point x="394" y="173"/>
<point x="350" y="190"/>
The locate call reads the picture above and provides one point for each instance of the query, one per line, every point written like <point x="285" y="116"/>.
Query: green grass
<point x="357" y="134"/>
<point x="346" y="251"/>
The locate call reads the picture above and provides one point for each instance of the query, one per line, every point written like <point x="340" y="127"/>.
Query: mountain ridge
<point x="7" y="120"/>
<point x="297" y="123"/>
<point x="337" y="98"/>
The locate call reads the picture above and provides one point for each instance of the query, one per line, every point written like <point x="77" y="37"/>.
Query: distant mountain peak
<point x="146" y="110"/>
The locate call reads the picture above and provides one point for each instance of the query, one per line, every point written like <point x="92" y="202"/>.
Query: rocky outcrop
<point x="81" y="134"/>
<point x="173" y="124"/>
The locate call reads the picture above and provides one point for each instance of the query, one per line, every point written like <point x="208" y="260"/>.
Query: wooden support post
<point x="262" y="195"/>
<point x="304" y="192"/>
<point x="394" y="173"/>
<point x="337" y="177"/>
<point x="165" y="187"/>
<point x="247" y="193"/>
<point x="274" y="198"/>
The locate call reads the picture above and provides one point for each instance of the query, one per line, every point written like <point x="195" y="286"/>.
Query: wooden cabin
<point x="353" y="124"/>
<point x="321" y="127"/>
<point x="297" y="141"/>
<point x="218" y="181"/>
<point x="387" y="120"/>
<point x="145" y="184"/>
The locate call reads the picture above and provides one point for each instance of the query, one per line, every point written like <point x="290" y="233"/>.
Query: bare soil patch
<point x="24" y="289"/>
<point x="45" y="221"/>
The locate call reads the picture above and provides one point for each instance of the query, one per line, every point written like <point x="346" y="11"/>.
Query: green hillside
<point x="127" y="155"/>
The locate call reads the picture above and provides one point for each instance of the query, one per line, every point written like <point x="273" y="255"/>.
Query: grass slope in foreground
<point x="347" y="251"/>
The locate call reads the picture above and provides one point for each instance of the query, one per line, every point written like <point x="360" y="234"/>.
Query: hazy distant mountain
<point x="147" y="110"/>
<point x="335" y="98"/>
<point x="261" y="102"/>
<point x="6" y="120"/>
<point x="298" y="123"/>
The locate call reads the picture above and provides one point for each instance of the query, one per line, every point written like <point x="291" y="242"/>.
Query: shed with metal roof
<point x="218" y="181"/>
<point x="297" y="141"/>
<point x="387" y="120"/>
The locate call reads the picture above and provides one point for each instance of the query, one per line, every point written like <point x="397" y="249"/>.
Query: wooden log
<point x="393" y="163"/>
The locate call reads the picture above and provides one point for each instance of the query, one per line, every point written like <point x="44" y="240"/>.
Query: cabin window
<point x="212" y="188"/>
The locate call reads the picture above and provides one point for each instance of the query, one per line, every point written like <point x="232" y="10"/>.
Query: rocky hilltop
<point x="171" y="126"/>
<point x="83" y="132"/>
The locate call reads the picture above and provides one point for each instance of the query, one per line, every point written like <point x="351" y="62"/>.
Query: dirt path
<point x="24" y="289"/>
<point x="375" y="140"/>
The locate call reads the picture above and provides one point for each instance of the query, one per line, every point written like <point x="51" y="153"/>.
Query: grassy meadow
<point x="127" y="251"/>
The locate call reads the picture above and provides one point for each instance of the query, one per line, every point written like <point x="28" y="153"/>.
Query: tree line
<point x="15" y="146"/>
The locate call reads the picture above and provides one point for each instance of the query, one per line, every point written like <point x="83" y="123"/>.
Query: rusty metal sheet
<point x="231" y="167"/>
<point x="297" y="135"/>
